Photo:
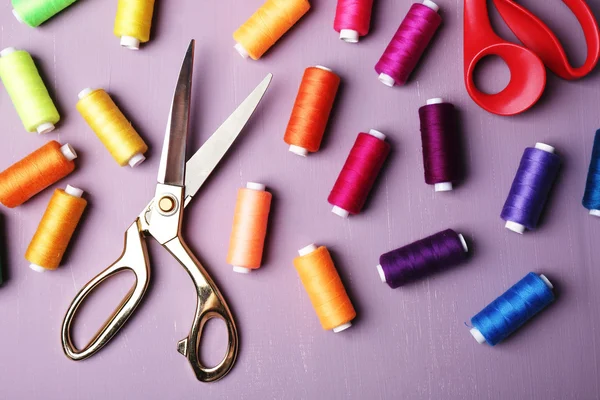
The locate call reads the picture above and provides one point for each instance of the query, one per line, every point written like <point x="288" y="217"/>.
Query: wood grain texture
<point x="409" y="343"/>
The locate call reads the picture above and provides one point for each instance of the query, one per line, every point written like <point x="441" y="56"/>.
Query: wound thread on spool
<point x="591" y="196"/>
<point x="267" y="25"/>
<point x="27" y="91"/>
<point x="408" y="44"/>
<point x="530" y="189"/>
<point x="358" y="175"/>
<point x="133" y="22"/>
<point x="34" y="173"/>
<point x="353" y="19"/>
<point x="422" y="258"/>
<point x="36" y="12"/>
<point x="441" y="148"/>
<point x="325" y="288"/>
<point x="512" y="309"/>
<point x="54" y="232"/>
<point x="311" y="111"/>
<point x="112" y="128"/>
<point x="249" y="230"/>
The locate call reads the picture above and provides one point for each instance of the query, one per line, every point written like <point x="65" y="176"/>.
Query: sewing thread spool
<point x="530" y="189"/>
<point x="512" y="309"/>
<point x="133" y="22"/>
<point x="27" y="91"/>
<point x="325" y="288"/>
<point x="358" y="175"/>
<point x="249" y="229"/>
<point x="353" y="19"/>
<point x="267" y="25"/>
<point x="54" y="232"/>
<point x="421" y="258"/>
<point x="36" y="12"/>
<point x="112" y="128"/>
<point x="311" y="111"/>
<point x="441" y="150"/>
<point x="591" y="196"/>
<point x="408" y="44"/>
<point x="34" y="173"/>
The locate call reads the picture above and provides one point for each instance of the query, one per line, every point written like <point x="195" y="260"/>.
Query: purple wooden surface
<point x="409" y="343"/>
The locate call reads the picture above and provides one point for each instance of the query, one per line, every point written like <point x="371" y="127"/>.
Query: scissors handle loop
<point x="135" y="259"/>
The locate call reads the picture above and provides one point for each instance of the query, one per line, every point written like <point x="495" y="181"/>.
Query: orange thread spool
<point x="325" y="288"/>
<point x="54" y="232"/>
<point x="267" y="25"/>
<point x="311" y="110"/>
<point x="250" y="221"/>
<point x="42" y="168"/>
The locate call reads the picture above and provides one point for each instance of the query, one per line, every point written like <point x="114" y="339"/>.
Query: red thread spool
<point x="362" y="166"/>
<point x="353" y="19"/>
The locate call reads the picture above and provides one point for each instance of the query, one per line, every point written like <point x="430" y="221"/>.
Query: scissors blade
<point x="208" y="156"/>
<point x="172" y="162"/>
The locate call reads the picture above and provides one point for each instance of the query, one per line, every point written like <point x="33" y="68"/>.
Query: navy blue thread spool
<point x="591" y="196"/>
<point x="512" y="309"/>
<point x="530" y="188"/>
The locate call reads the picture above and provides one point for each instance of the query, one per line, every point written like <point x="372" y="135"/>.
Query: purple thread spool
<point x="416" y="260"/>
<point x="530" y="188"/>
<point x="408" y="44"/>
<point x="441" y="151"/>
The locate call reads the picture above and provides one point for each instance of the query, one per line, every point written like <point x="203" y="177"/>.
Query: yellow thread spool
<point x="267" y="25"/>
<point x="249" y="230"/>
<point x="325" y="288"/>
<point x="27" y="91"/>
<point x="54" y="232"/>
<point x="112" y="128"/>
<point x="133" y="22"/>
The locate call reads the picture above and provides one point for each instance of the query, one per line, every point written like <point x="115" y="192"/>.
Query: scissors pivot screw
<point x="167" y="204"/>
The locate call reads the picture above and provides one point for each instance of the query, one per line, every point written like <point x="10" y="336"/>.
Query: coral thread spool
<point x="54" y="232"/>
<point x="36" y="12"/>
<point x="325" y="288"/>
<point x="34" y="173"/>
<point x="512" y="309"/>
<point x="530" y="189"/>
<point x="441" y="150"/>
<point x="27" y="91"/>
<point x="249" y="230"/>
<point x="133" y="22"/>
<point x="408" y="44"/>
<point x="267" y="25"/>
<point x="358" y="175"/>
<point x="353" y="19"/>
<point x="421" y="258"/>
<point x="311" y="111"/>
<point x="591" y="196"/>
<point x="112" y="128"/>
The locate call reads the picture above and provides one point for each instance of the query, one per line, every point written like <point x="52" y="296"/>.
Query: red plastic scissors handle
<point x="528" y="73"/>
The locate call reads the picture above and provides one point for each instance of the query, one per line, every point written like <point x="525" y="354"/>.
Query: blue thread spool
<point x="530" y="188"/>
<point x="591" y="196"/>
<point x="516" y="306"/>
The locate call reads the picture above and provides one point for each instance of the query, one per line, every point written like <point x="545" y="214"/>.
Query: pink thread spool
<point x="353" y="19"/>
<point x="408" y="44"/>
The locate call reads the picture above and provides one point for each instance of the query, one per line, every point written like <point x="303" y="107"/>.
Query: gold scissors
<point x="162" y="220"/>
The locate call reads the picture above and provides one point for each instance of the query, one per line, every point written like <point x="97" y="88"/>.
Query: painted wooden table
<point x="409" y="343"/>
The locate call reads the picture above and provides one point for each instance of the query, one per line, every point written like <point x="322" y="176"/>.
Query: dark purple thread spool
<point x="421" y="258"/>
<point x="408" y="44"/>
<point x="530" y="189"/>
<point x="441" y="150"/>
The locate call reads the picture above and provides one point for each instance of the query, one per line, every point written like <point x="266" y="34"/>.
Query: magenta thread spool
<point x="434" y="253"/>
<point x="441" y="147"/>
<point x="353" y="19"/>
<point x="409" y="43"/>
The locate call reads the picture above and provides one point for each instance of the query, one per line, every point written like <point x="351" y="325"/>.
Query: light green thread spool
<point x="36" y="12"/>
<point x="27" y="91"/>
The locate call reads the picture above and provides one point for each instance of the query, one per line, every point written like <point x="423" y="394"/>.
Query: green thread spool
<point x="36" y="12"/>
<point x="27" y="91"/>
